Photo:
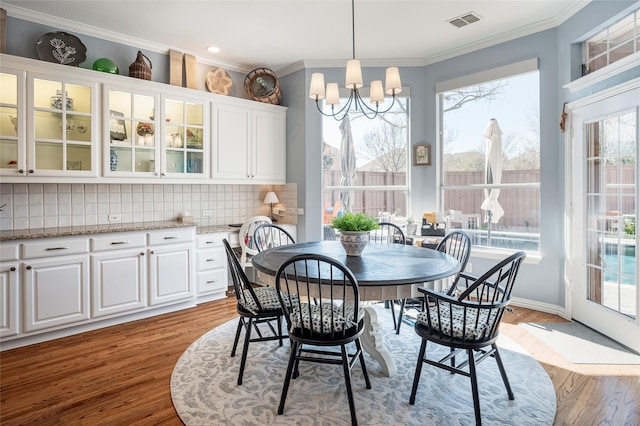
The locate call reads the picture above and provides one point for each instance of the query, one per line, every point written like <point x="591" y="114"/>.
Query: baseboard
<point x="542" y="307"/>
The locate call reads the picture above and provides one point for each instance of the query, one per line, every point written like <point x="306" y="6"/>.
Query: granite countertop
<point x="27" y="234"/>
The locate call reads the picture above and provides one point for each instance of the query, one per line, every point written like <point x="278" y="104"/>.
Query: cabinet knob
<point x="13" y="269"/>
<point x="163" y="174"/>
<point x="21" y="171"/>
<point x="28" y="268"/>
<point x="141" y="253"/>
<point x="152" y="252"/>
<point x="30" y="170"/>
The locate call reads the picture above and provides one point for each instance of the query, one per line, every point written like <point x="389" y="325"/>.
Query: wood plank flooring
<point x="120" y="375"/>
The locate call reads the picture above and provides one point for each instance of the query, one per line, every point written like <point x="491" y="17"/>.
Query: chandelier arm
<point x="372" y="113"/>
<point x="341" y="113"/>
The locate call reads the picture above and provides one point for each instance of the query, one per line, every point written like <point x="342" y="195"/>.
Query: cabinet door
<point x="8" y="299"/>
<point x="269" y="147"/>
<point x="56" y="291"/>
<point x="170" y="275"/>
<point x="61" y="128"/>
<point x="185" y="128"/>
<point x="13" y="151"/>
<point x="118" y="282"/>
<point x="231" y="139"/>
<point x="130" y="126"/>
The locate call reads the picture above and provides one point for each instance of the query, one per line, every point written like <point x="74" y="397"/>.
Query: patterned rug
<point x="204" y="389"/>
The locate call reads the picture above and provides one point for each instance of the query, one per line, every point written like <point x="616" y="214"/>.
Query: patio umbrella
<point x="493" y="174"/>
<point x="347" y="163"/>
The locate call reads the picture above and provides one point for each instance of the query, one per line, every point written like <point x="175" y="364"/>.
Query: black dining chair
<point x="456" y="244"/>
<point x="326" y="313"/>
<point x="389" y="233"/>
<point x="256" y="305"/>
<point x="269" y="235"/>
<point x="468" y="322"/>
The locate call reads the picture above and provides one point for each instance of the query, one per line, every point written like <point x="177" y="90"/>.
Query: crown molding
<point x="103" y="34"/>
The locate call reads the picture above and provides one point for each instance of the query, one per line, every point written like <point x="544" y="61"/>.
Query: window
<point x="491" y="188"/>
<point x="612" y="44"/>
<point x="379" y="181"/>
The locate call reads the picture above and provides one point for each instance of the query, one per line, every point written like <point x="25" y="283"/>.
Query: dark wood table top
<point x="379" y="264"/>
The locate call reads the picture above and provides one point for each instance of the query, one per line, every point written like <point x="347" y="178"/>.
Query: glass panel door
<point x="11" y="145"/>
<point x="605" y="287"/>
<point x="184" y="137"/>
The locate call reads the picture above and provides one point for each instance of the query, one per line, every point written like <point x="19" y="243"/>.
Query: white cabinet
<point x="118" y="273"/>
<point x="211" y="266"/>
<point x="170" y="265"/>
<point x="56" y="282"/>
<point x="9" y="290"/>
<point x="248" y="143"/>
<point x="13" y="141"/>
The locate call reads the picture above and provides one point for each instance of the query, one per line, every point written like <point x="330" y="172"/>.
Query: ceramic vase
<point x="354" y="242"/>
<point x="113" y="161"/>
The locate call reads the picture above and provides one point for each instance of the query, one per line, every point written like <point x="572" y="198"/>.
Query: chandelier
<point x="353" y="82"/>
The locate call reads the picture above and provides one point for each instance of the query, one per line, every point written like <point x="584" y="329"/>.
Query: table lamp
<point x="271" y="198"/>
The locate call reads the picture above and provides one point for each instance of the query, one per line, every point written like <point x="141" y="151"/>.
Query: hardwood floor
<point x="120" y="375"/>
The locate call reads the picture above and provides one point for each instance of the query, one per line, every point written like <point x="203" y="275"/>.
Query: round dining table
<point x="383" y="272"/>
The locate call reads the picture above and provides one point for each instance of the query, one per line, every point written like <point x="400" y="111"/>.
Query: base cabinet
<point x="9" y="299"/>
<point x="56" y="291"/>
<point x="170" y="274"/>
<point x="211" y="266"/>
<point x="118" y="282"/>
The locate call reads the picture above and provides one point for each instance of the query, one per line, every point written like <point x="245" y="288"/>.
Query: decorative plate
<point x="219" y="81"/>
<point x="61" y="48"/>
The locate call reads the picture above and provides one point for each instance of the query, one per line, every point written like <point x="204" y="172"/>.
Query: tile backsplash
<point x="34" y="205"/>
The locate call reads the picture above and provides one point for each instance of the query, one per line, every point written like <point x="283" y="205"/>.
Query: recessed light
<point x="213" y="49"/>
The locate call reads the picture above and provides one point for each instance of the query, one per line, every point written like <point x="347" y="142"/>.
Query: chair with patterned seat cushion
<point x="456" y="244"/>
<point x="468" y="320"/>
<point x="256" y="305"/>
<point x="326" y="313"/>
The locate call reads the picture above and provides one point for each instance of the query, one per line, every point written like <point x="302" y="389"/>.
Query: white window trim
<point x="602" y="74"/>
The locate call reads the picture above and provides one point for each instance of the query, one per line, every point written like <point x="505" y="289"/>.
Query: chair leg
<point x="474" y="386"/>
<point x="503" y="372"/>
<point x="392" y="306"/>
<point x="287" y="377"/>
<point x="280" y="328"/>
<point x="235" y="342"/>
<point x="347" y="381"/>
<point x="362" y="364"/>
<point x="416" y="377"/>
<point x="245" y="349"/>
<point x="400" y="315"/>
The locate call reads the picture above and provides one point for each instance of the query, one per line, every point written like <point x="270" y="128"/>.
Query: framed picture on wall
<point x="422" y="155"/>
<point x="117" y="129"/>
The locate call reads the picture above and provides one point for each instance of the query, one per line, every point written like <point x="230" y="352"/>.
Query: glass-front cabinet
<point x="142" y="142"/>
<point x="130" y="128"/>
<point x="12" y="123"/>
<point x="60" y="132"/>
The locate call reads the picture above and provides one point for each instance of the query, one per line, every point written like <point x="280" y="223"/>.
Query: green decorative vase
<point x="105" y="65"/>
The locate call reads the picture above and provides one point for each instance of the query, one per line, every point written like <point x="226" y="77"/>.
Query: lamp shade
<point x="333" y="94"/>
<point x="316" y="88"/>
<point x="393" y="85"/>
<point x="271" y="198"/>
<point x="377" y="93"/>
<point x="353" y="79"/>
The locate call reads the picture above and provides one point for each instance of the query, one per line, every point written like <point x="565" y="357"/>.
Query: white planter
<point x="354" y="242"/>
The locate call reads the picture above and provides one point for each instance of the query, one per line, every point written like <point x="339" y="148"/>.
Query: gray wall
<point x="559" y="64"/>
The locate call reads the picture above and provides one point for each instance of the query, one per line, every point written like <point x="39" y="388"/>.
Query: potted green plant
<point x="354" y="230"/>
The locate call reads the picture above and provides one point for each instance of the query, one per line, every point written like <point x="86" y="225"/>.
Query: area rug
<point x="205" y="392"/>
<point x="579" y="344"/>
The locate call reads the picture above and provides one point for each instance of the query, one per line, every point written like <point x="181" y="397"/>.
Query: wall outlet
<point x="115" y="218"/>
<point x="207" y="213"/>
<point x="300" y="211"/>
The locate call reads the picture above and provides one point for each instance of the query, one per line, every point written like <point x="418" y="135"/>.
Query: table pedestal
<point x="374" y="344"/>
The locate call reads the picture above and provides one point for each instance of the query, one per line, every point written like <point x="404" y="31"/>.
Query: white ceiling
<point x="280" y="34"/>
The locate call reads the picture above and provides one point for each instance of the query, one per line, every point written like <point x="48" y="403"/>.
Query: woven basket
<point x="140" y="68"/>
<point x="262" y="85"/>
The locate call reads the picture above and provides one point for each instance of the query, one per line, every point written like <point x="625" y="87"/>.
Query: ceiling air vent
<point x="466" y="19"/>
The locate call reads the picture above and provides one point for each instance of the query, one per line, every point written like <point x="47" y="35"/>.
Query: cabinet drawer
<point x="118" y="241"/>
<point x="234" y="239"/>
<point x="211" y="281"/>
<point x="211" y="259"/>
<point x="171" y="236"/>
<point x="211" y="240"/>
<point x="54" y="247"/>
<point x="8" y="252"/>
